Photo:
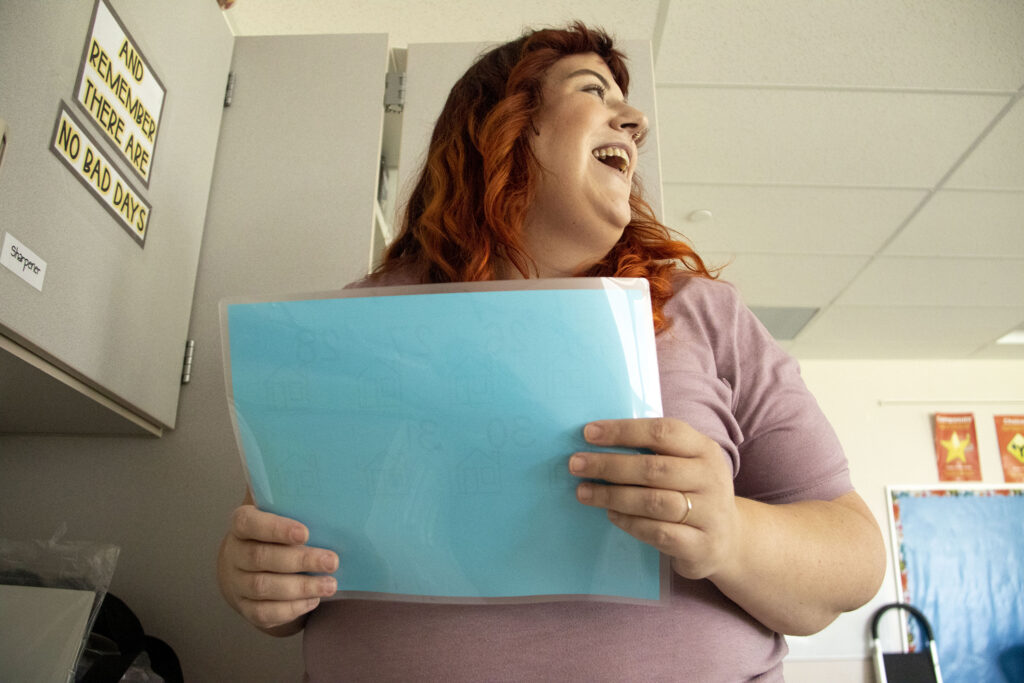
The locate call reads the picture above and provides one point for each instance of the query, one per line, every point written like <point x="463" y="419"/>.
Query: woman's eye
<point x="596" y="89"/>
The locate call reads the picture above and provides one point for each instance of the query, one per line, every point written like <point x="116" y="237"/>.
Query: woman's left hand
<point x="679" y="499"/>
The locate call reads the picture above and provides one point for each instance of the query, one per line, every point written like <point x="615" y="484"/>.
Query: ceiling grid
<point x="858" y="157"/>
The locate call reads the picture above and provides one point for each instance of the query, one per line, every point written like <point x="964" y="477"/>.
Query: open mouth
<point x="616" y="157"/>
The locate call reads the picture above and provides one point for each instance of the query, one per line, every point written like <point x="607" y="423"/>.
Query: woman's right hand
<point x="260" y="567"/>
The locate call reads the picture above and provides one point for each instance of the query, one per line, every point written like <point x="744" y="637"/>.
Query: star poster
<point x="1010" y="432"/>
<point x="956" y="447"/>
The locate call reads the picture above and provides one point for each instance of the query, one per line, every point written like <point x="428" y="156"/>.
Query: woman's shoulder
<point x="698" y="295"/>
<point x="714" y="312"/>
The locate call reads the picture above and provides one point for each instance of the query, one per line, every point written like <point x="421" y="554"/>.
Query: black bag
<point x="118" y="644"/>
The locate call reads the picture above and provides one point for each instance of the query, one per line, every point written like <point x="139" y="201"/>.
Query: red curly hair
<point x="466" y="213"/>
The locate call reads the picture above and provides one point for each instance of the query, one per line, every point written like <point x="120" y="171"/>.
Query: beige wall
<point x="882" y="413"/>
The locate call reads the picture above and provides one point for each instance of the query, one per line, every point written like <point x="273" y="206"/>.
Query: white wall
<point x="882" y="412"/>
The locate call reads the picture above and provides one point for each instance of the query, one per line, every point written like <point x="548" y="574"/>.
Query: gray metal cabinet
<point x="99" y="347"/>
<point x="293" y="196"/>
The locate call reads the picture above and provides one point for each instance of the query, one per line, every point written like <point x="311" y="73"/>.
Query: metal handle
<point x="921" y="619"/>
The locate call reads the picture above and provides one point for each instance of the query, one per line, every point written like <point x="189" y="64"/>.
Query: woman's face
<point x="585" y="144"/>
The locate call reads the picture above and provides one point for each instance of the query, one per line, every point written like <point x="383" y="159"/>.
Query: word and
<point x="132" y="60"/>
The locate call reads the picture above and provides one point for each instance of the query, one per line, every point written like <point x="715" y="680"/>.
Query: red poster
<point x="1010" y="432"/>
<point x="956" y="447"/>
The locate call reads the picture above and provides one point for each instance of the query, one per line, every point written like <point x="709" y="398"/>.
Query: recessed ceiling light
<point x="1015" y="337"/>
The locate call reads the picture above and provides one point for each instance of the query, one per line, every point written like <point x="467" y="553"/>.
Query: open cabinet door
<point x="97" y="348"/>
<point x="294" y="188"/>
<point x="112" y="110"/>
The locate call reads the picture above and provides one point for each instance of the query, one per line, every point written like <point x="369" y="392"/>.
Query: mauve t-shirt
<point x="721" y="372"/>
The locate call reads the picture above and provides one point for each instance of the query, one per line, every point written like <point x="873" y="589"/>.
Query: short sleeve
<point x="722" y="372"/>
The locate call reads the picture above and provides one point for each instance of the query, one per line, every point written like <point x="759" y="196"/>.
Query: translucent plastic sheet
<point x="424" y="432"/>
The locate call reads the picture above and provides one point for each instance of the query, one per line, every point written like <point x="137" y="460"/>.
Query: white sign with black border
<point x="119" y="91"/>
<point x="85" y="159"/>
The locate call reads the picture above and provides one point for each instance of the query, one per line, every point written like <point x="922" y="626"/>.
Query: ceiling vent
<point x="784" y="322"/>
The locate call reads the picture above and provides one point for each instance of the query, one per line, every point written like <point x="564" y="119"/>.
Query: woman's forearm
<point x="796" y="567"/>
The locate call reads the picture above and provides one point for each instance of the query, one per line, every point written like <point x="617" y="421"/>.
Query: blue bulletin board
<point x="960" y="556"/>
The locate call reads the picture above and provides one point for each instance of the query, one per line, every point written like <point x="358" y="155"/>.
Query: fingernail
<point x="329" y="586"/>
<point x="593" y="431"/>
<point x="297" y="534"/>
<point x="577" y="463"/>
<point x="584" y="492"/>
<point x="329" y="562"/>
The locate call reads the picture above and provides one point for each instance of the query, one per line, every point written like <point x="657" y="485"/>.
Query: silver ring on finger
<point x="689" y="509"/>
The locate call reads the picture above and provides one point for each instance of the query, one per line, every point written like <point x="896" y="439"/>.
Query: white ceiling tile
<point x="775" y="219"/>
<point x="998" y="161"/>
<point x="725" y="136"/>
<point x="787" y="280"/>
<point x="965" y="223"/>
<point x="435" y="21"/>
<point x="915" y="332"/>
<point x="907" y="281"/>
<point x="934" y="44"/>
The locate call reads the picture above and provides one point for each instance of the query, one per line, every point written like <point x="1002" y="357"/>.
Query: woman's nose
<point x="630" y="119"/>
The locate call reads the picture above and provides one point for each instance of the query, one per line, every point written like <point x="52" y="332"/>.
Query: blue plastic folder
<point x="423" y="433"/>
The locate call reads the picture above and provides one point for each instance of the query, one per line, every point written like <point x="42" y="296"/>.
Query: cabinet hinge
<point x="394" y="92"/>
<point x="229" y="92"/>
<point x="3" y="139"/>
<point x="186" y="367"/>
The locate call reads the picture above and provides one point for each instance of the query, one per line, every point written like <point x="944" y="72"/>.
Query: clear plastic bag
<point x="51" y="592"/>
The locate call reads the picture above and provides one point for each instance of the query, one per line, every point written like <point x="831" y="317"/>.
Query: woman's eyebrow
<point x="589" y="72"/>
